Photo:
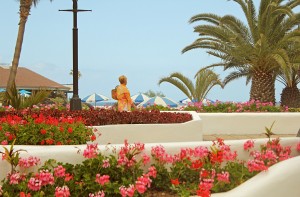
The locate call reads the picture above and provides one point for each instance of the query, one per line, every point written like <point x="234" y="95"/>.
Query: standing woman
<point x="123" y="95"/>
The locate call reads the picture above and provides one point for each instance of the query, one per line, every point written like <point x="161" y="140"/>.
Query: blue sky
<point x="141" y="39"/>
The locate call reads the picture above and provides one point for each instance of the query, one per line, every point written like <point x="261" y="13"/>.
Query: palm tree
<point x="205" y="80"/>
<point x="258" y="47"/>
<point x="25" y="7"/>
<point x="290" y="95"/>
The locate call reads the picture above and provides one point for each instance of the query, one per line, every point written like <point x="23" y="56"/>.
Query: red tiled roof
<point x="27" y="79"/>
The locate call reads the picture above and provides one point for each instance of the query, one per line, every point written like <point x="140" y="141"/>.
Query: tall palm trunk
<point x="263" y="86"/>
<point x="25" y="6"/>
<point x="290" y="96"/>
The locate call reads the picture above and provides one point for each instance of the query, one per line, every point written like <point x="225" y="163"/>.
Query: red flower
<point x="93" y="137"/>
<point x="196" y="164"/>
<point x="61" y="129"/>
<point x="22" y="194"/>
<point x="49" y="141"/>
<point x="58" y="143"/>
<point x="175" y="181"/>
<point x="43" y="131"/>
<point x="70" y="130"/>
<point x="42" y="142"/>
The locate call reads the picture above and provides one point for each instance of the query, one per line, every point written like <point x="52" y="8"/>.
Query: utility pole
<point x="75" y="102"/>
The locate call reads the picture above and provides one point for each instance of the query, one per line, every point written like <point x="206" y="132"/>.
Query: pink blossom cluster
<point x="59" y="171"/>
<point x="102" y="179"/>
<point x="127" y="191"/>
<point x="248" y="144"/>
<point x="62" y="191"/>
<point x="98" y="194"/>
<point x="142" y="184"/>
<point x="127" y="154"/>
<point x="160" y="154"/>
<point x="15" y="178"/>
<point x="270" y="154"/>
<point x="91" y="151"/>
<point x="29" y="162"/>
<point x="298" y="147"/>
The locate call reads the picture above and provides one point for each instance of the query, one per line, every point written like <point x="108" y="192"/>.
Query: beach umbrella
<point x="93" y="98"/>
<point x="24" y="93"/>
<point x="164" y="101"/>
<point x="140" y="97"/>
<point x="204" y="101"/>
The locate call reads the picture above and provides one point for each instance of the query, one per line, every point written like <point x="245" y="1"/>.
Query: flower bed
<point x="119" y="170"/>
<point x="58" y="127"/>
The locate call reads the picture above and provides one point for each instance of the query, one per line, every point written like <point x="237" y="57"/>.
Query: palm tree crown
<point x="205" y="80"/>
<point x="258" y="47"/>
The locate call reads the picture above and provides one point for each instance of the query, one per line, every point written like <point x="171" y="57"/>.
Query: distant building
<point x="29" y="80"/>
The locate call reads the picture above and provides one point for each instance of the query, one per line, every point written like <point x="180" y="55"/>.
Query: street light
<point x="75" y="102"/>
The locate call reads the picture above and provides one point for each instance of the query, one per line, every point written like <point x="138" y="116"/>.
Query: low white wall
<point x="280" y="180"/>
<point x="190" y="131"/>
<point x="249" y="123"/>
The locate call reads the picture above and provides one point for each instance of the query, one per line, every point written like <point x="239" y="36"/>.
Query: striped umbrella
<point x="204" y="101"/>
<point x="93" y="98"/>
<point x="163" y="101"/>
<point x="138" y="98"/>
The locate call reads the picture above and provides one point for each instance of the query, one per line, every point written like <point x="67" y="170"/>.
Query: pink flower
<point x="201" y="152"/>
<point x="46" y="177"/>
<point x="298" y="147"/>
<point x="34" y="184"/>
<point x="91" y="151"/>
<point x="152" y="171"/>
<point x="29" y="162"/>
<point x="1" y="191"/>
<point x="62" y="191"/>
<point x="142" y="183"/>
<point x="248" y="144"/>
<point x="140" y="187"/>
<point x="98" y="194"/>
<point x="146" y="159"/>
<point x="123" y="191"/>
<point x="14" y="178"/>
<point x="4" y="142"/>
<point x="223" y="177"/>
<point x="59" y="171"/>
<point x="130" y="190"/>
<point x="102" y="179"/>
<point x="256" y="165"/>
<point x="106" y="163"/>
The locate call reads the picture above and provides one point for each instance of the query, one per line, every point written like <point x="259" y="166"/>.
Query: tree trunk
<point x="25" y="6"/>
<point x="263" y="86"/>
<point x="290" y="97"/>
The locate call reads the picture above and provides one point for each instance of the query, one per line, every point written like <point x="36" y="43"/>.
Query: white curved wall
<point x="190" y="131"/>
<point x="249" y="123"/>
<point x="280" y="180"/>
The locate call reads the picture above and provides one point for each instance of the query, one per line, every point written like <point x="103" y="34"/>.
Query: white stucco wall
<point x="281" y="180"/>
<point x="249" y="123"/>
<point x="190" y="131"/>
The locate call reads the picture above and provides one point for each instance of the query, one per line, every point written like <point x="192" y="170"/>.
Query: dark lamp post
<point x="75" y="102"/>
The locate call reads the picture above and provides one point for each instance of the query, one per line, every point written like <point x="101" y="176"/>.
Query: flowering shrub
<point x="104" y="117"/>
<point x="39" y="129"/>
<point x="127" y="172"/>
<point x="228" y="107"/>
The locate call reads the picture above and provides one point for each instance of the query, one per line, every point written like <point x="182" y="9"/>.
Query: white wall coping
<point x="250" y="123"/>
<point x="152" y="133"/>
